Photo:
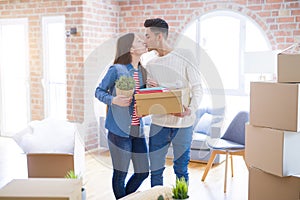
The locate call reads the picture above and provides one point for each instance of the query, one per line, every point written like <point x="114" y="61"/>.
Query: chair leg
<point x="231" y="159"/>
<point x="209" y="164"/>
<point x="226" y="164"/>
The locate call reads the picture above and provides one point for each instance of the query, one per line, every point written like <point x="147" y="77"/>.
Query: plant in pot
<point x="71" y="174"/>
<point x="125" y="86"/>
<point x="180" y="190"/>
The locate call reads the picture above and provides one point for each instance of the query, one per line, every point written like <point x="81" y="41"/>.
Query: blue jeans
<point x="122" y="150"/>
<point x="159" y="142"/>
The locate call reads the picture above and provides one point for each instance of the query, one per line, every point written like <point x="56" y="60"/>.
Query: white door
<point x="55" y="67"/>
<point x="14" y="87"/>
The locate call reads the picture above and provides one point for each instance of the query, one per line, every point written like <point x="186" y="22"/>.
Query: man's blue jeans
<point x="123" y="150"/>
<point x="159" y="142"/>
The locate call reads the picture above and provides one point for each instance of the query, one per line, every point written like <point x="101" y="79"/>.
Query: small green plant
<point x="180" y="190"/>
<point x="125" y="83"/>
<point x="71" y="174"/>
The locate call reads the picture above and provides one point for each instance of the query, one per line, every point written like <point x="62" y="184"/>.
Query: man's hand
<point x="122" y="100"/>
<point x="151" y="83"/>
<point x="186" y="112"/>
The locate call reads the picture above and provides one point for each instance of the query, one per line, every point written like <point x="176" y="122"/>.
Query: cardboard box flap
<point x="293" y="49"/>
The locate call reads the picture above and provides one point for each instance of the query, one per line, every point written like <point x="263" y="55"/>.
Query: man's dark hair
<point x="157" y="25"/>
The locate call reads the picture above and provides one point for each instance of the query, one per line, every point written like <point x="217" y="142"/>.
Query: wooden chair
<point x="231" y="143"/>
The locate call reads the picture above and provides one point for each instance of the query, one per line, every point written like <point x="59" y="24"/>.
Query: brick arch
<point x="225" y="6"/>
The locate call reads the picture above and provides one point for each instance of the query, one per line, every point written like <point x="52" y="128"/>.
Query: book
<point x="152" y="90"/>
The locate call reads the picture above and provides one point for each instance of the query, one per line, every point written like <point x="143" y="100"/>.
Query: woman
<point x="126" y="140"/>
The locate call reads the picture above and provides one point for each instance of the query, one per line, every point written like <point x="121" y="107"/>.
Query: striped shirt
<point x="135" y="120"/>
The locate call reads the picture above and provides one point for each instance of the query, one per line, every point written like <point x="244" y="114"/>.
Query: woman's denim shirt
<point x="118" y="118"/>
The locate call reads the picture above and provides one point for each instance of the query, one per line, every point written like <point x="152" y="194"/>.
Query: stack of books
<point x="152" y="90"/>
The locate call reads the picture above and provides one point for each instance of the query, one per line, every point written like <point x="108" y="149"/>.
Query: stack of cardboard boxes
<point x="273" y="134"/>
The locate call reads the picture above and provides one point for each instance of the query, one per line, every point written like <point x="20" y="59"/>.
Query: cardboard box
<point x="288" y="69"/>
<point x="42" y="189"/>
<point x="273" y="151"/>
<point x="160" y="103"/>
<point x="49" y="165"/>
<point x="56" y="165"/>
<point x="264" y="186"/>
<point x="275" y="105"/>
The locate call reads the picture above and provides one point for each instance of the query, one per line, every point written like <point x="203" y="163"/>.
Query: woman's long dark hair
<point x="124" y="44"/>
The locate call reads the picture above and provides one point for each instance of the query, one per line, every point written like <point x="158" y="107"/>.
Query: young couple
<point x="126" y="139"/>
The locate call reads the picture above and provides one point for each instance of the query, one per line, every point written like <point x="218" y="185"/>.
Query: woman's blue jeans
<point x="159" y="142"/>
<point x="123" y="150"/>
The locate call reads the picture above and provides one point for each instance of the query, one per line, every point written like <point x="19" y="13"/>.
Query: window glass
<point x="14" y="86"/>
<point x="219" y="36"/>
<point x="226" y="36"/>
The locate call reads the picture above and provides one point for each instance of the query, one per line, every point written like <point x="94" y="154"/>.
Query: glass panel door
<point x="55" y="66"/>
<point x="14" y="87"/>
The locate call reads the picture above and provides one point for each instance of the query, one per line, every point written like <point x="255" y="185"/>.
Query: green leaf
<point x="71" y="174"/>
<point x="180" y="190"/>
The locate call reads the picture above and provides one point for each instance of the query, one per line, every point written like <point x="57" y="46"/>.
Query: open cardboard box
<point x="162" y="102"/>
<point x="56" y="165"/>
<point x="53" y="147"/>
<point x="42" y="189"/>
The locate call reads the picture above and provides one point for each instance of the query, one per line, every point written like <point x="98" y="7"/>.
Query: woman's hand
<point x="122" y="100"/>
<point x="151" y="83"/>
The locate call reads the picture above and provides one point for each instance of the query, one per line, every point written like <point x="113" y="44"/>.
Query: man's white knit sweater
<point x="177" y="70"/>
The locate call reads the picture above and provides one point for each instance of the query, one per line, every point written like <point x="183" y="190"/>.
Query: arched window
<point x="227" y="36"/>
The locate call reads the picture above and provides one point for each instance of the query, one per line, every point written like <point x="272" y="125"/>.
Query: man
<point x="172" y="69"/>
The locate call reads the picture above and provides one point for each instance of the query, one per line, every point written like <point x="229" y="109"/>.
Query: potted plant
<point x="180" y="190"/>
<point x="71" y="174"/>
<point x="125" y="86"/>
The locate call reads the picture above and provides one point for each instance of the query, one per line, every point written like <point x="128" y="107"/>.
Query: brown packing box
<point x="275" y="105"/>
<point x="161" y="103"/>
<point x="56" y="165"/>
<point x="273" y="151"/>
<point x="288" y="68"/>
<point x="42" y="189"/>
<point x="264" y="186"/>
<point x="49" y="165"/>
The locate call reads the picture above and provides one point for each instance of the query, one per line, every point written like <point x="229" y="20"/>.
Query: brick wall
<point x="100" y="22"/>
<point x="95" y="21"/>
<point x="280" y="19"/>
